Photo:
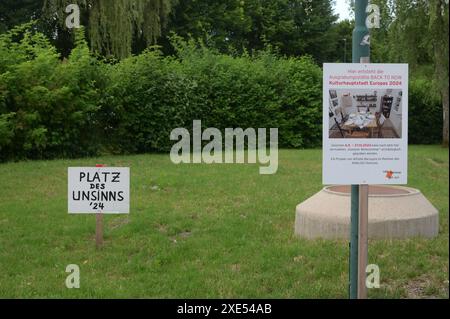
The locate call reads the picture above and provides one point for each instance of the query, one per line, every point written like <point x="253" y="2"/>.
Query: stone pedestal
<point x="394" y="212"/>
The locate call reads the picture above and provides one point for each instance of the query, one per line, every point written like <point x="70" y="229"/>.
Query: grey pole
<point x="360" y="54"/>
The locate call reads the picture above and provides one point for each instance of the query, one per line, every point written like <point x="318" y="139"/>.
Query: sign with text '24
<point x="93" y="190"/>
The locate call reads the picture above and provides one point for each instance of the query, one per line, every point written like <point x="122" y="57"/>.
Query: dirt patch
<point x="418" y="288"/>
<point x="185" y="234"/>
<point x="236" y="268"/>
<point x="436" y="163"/>
<point x="119" y="222"/>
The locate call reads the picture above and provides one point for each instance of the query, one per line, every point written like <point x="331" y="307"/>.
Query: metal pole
<point x="363" y="239"/>
<point x="354" y="226"/>
<point x="360" y="49"/>
<point x="360" y="54"/>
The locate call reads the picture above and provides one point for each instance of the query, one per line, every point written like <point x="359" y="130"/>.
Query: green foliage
<point x="15" y="12"/>
<point x="121" y="27"/>
<point x="425" y="113"/>
<point x="147" y="97"/>
<point x="46" y="105"/>
<point x="80" y="106"/>
<point x="294" y="27"/>
<point x="343" y="31"/>
<point x="115" y="27"/>
<point x="414" y="32"/>
<point x="258" y="91"/>
<point x="151" y="95"/>
<point x="417" y="32"/>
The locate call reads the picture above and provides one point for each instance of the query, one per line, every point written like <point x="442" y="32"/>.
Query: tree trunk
<point x="439" y="27"/>
<point x="446" y="119"/>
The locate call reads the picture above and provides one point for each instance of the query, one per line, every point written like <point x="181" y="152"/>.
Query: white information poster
<point x="103" y="190"/>
<point x="365" y="124"/>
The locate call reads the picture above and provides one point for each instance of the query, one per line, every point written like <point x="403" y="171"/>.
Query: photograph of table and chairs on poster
<point x="365" y="114"/>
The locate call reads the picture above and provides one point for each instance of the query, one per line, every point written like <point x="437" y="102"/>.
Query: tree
<point x="418" y="34"/>
<point x="343" y="41"/>
<point x="14" y="12"/>
<point x="220" y="24"/>
<point x="116" y="27"/>
<point x="440" y="43"/>
<point x="379" y="47"/>
<point x="294" y="27"/>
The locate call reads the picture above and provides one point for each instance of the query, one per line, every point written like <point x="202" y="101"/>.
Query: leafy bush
<point x="147" y="97"/>
<point x="150" y="95"/>
<point x="425" y="113"/>
<point x="76" y="107"/>
<point x="47" y="106"/>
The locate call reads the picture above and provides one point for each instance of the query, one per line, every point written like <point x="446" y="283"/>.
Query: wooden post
<point x="363" y="239"/>
<point x="99" y="230"/>
<point x="99" y="224"/>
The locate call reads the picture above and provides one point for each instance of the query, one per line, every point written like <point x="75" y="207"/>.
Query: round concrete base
<point x="394" y="212"/>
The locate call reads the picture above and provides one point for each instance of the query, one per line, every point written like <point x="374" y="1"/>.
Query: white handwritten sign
<point x="93" y="190"/>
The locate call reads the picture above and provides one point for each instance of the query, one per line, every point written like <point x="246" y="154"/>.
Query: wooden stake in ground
<point x="99" y="230"/>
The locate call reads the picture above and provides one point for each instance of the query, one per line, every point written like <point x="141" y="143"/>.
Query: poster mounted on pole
<point x="365" y="124"/>
<point x="94" y="190"/>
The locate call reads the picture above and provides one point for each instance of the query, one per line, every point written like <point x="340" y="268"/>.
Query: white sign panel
<point x="365" y="124"/>
<point x="99" y="190"/>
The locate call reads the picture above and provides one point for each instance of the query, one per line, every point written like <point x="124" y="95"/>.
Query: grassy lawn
<point x="199" y="231"/>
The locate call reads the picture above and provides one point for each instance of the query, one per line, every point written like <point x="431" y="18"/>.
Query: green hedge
<point x="47" y="106"/>
<point x="147" y="97"/>
<point x="150" y="95"/>
<point x="425" y="113"/>
<point x="82" y="106"/>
